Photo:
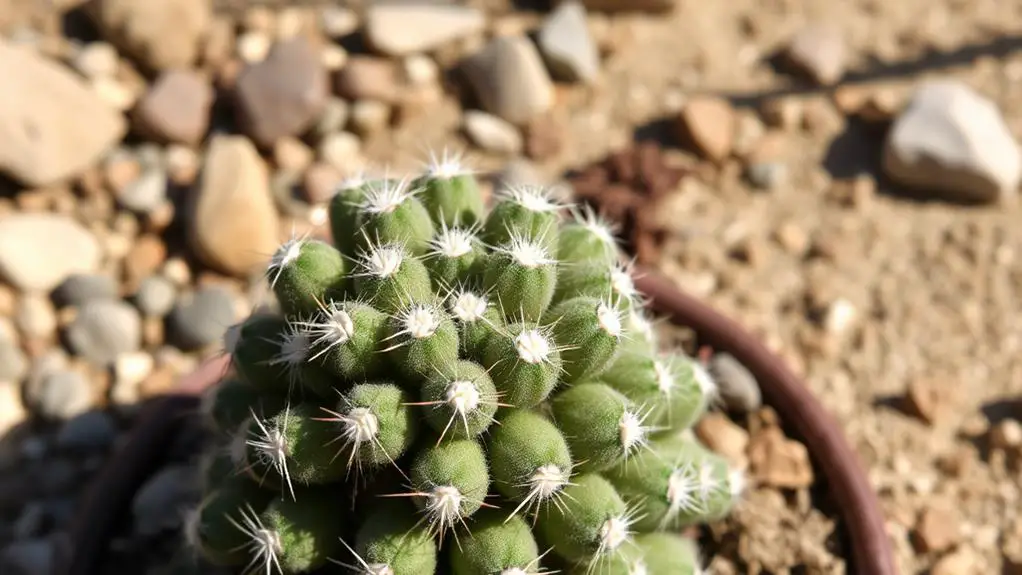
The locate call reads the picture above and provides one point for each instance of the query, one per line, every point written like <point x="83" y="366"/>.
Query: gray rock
<point x="55" y="124"/>
<point x="567" y="46"/>
<point x="953" y="142"/>
<point x="81" y="288"/>
<point x="201" y="318"/>
<point x="492" y="133"/>
<point x="59" y="395"/>
<point x="13" y="363"/>
<point x="737" y="386"/>
<point x="176" y="108"/>
<point x="28" y="557"/>
<point x="103" y="330"/>
<point x="160" y="504"/>
<point x="284" y="94"/>
<point x="403" y="28"/>
<point x="510" y="80"/>
<point x="146" y="192"/>
<point x="766" y="175"/>
<point x="94" y="430"/>
<point x="155" y="296"/>
<point x="40" y="250"/>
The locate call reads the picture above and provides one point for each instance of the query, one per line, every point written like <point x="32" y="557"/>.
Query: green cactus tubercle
<point x="455" y="389"/>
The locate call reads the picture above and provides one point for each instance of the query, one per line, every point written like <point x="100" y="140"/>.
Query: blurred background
<point x="840" y="177"/>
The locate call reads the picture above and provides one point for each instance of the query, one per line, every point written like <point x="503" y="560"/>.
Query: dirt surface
<point x="901" y="309"/>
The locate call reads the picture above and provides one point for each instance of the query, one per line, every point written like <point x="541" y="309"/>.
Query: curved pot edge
<point x="858" y="505"/>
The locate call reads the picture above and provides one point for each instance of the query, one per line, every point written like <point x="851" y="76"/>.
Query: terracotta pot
<point x="109" y="497"/>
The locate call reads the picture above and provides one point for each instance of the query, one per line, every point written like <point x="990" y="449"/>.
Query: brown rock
<point x="176" y="108"/>
<point x="283" y="94"/>
<point x="819" y="52"/>
<point x="161" y="34"/>
<point x="145" y="258"/>
<point x="708" y="124"/>
<point x="937" y="529"/>
<point x="320" y="182"/>
<point x="931" y="400"/>
<point x="961" y="562"/>
<point x="778" y="461"/>
<point x="368" y="78"/>
<point x="725" y="437"/>
<point x="1006" y="434"/>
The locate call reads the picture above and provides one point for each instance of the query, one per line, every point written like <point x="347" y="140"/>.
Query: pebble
<point x="65" y="126"/>
<point x="182" y="164"/>
<point x="778" y="461"/>
<point x="961" y="562"/>
<point x="520" y="171"/>
<point x="337" y="21"/>
<point x="28" y="557"/>
<point x="953" y="142"/>
<point x="735" y="383"/>
<point x="937" y="529"/>
<point x="200" y="319"/>
<point x="147" y="254"/>
<point x="131" y="369"/>
<point x="253" y="46"/>
<point x="59" y="394"/>
<point x="92" y="430"/>
<point x="12" y="411"/>
<point x="282" y="95"/>
<point x="160" y="503"/>
<point x="492" y="133"/>
<point x="146" y="193"/>
<point x="96" y="60"/>
<point x="233" y="221"/>
<point x="510" y="80"/>
<point x="368" y="78"/>
<point x="13" y="363"/>
<point x="333" y="118"/>
<point x="292" y="155"/>
<point x="38" y="251"/>
<point x="932" y="401"/>
<point x="176" y="108"/>
<point x="766" y="175"/>
<point x="319" y="183"/>
<point x="370" y="116"/>
<point x="708" y="123"/>
<point x="104" y="329"/>
<point x="402" y="29"/>
<point x="567" y="46"/>
<point x="1006" y="434"/>
<point x="161" y="34"/>
<point x="819" y="52"/>
<point x="420" y="70"/>
<point x="155" y="296"/>
<point x="724" y="436"/>
<point x="36" y="317"/>
<point x="342" y="150"/>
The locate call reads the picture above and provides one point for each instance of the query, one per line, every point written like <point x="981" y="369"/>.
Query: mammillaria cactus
<point x="451" y="390"/>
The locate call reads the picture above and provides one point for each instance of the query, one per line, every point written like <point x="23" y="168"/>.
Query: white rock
<point x="54" y="125"/>
<point x="400" y="29"/>
<point x="492" y="133"/>
<point x="39" y="250"/>
<point x="953" y="141"/>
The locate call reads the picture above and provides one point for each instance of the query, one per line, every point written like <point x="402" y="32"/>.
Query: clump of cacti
<point x="456" y="388"/>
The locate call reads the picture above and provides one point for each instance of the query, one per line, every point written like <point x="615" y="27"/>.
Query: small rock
<point x="176" y="108"/>
<point x="131" y="369"/>
<point x="319" y="183"/>
<point x="778" y="461"/>
<point x="104" y="329"/>
<point x="723" y="436"/>
<point x="708" y="123"/>
<point x="97" y="60"/>
<point x="282" y="95"/>
<point x="93" y="430"/>
<point x="147" y="254"/>
<point x="1006" y="434"/>
<point x="201" y="318"/>
<point x="161" y="502"/>
<point x="937" y="529"/>
<point x="567" y="46"/>
<point x="402" y="29"/>
<point x="234" y="220"/>
<point x="420" y="70"/>
<point x="370" y="116"/>
<point x="182" y="164"/>
<point x="492" y="133"/>
<point x="952" y="141"/>
<point x="162" y="34"/>
<point x="520" y="171"/>
<point x="333" y="118"/>
<point x="253" y="46"/>
<point x="155" y="296"/>
<point x="930" y="400"/>
<point x="342" y="150"/>
<point x="61" y="394"/>
<point x="368" y="78"/>
<point x="146" y="193"/>
<point x="337" y="21"/>
<point x="292" y="155"/>
<point x="55" y="124"/>
<point x="36" y="317"/>
<point x="80" y="288"/>
<point x="13" y="363"/>
<point x="510" y="80"/>
<point x="766" y="175"/>
<point x="40" y="250"/>
<point x="961" y="562"/>
<point x="819" y="52"/>
<point x="735" y="383"/>
<point x="28" y="557"/>
<point x="840" y="316"/>
<point x="12" y="411"/>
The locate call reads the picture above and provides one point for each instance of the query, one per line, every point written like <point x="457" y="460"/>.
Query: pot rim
<point x="108" y="497"/>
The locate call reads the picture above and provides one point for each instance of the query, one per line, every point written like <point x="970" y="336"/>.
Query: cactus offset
<point x="454" y="390"/>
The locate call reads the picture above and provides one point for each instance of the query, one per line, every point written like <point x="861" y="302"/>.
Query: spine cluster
<point x="458" y="389"/>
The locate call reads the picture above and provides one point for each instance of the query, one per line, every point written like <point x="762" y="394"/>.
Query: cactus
<point x="456" y="390"/>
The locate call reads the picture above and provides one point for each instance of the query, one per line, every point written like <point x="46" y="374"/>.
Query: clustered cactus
<point x="459" y="389"/>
